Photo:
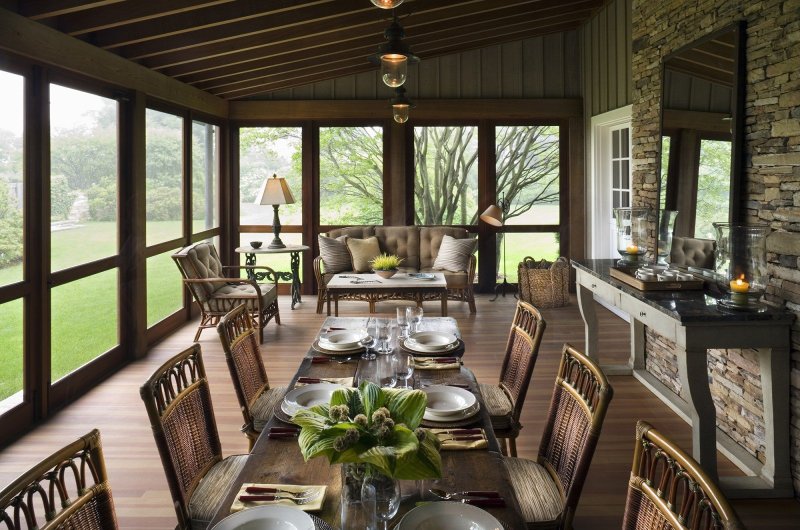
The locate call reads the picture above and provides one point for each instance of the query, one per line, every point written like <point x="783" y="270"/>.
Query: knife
<point x="491" y="503"/>
<point x="281" y="435"/>
<point x="313" y="380"/>
<point x="256" y="498"/>
<point x="467" y="438"/>
<point x="315" y="360"/>
<point x="462" y="431"/>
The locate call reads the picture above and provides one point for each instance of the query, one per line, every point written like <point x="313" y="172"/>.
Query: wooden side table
<point x="293" y="275"/>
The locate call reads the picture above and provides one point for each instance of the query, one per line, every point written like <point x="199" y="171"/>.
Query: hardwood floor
<point x="137" y="479"/>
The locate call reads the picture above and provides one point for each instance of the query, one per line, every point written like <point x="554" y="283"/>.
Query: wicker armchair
<point x="548" y="489"/>
<point x="256" y="399"/>
<point x="178" y="403"/>
<point x="216" y="294"/>
<point x="69" y="489"/>
<point x="504" y="400"/>
<point x="668" y="489"/>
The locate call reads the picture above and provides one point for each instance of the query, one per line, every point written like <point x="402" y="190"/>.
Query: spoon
<point x="461" y="494"/>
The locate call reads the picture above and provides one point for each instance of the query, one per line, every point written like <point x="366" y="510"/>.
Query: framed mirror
<point x="702" y="115"/>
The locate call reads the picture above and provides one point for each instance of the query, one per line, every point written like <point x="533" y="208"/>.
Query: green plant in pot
<point x="385" y="265"/>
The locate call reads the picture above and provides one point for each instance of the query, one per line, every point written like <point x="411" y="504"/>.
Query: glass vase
<point x="387" y="495"/>
<point x="741" y="264"/>
<point x="358" y="499"/>
<point x="666" y="227"/>
<point x="632" y="228"/>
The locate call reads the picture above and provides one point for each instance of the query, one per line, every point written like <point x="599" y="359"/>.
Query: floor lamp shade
<point x="493" y="215"/>
<point x="275" y="191"/>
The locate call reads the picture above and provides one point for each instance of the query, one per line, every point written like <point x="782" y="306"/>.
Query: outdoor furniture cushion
<point x="334" y="254"/>
<point x="264" y="405"/>
<point x="539" y="498"/>
<point x="498" y="405"/>
<point x="213" y="489"/>
<point x="362" y="252"/>
<point x="454" y="254"/>
<point x="229" y="296"/>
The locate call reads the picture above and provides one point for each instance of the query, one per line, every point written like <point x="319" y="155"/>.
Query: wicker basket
<point x="544" y="283"/>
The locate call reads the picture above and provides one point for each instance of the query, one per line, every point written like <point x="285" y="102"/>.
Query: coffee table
<point x="371" y="288"/>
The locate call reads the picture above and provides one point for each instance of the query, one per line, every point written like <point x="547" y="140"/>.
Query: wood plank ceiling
<point x="237" y="49"/>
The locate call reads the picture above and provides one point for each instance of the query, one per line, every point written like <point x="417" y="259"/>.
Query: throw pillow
<point x="334" y="254"/>
<point x="362" y="252"/>
<point x="454" y="254"/>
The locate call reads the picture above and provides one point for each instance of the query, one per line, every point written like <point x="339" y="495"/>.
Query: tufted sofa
<point x="216" y="294"/>
<point x="692" y="252"/>
<point x="418" y="246"/>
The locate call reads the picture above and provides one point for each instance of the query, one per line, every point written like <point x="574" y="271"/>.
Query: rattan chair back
<point x="522" y="350"/>
<point x="69" y="489"/>
<point x="243" y="355"/>
<point x="578" y="407"/>
<point x="178" y="403"/>
<point x="197" y="262"/>
<point x="668" y="489"/>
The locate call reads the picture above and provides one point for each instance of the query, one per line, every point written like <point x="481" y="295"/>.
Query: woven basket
<point x="544" y="283"/>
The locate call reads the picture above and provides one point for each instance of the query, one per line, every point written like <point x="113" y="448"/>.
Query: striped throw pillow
<point x="334" y="254"/>
<point x="454" y="254"/>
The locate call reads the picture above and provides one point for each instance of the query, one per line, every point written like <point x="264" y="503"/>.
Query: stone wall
<point x="771" y="173"/>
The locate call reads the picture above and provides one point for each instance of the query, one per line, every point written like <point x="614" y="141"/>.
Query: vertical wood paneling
<point x="428" y="84"/>
<point x="365" y="85"/>
<point x="554" y="66"/>
<point x="344" y="87"/>
<point x="511" y="70"/>
<point x="533" y="64"/>
<point x="490" y="73"/>
<point x="607" y="58"/>
<point x="623" y="48"/>
<point x="613" y="66"/>
<point x="470" y="74"/>
<point x="449" y="75"/>
<point x="572" y="68"/>
<point x="304" y="92"/>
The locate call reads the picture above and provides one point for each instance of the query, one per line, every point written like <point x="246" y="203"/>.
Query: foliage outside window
<point x="83" y="176"/>
<point x="713" y="186"/>
<point x="662" y="188"/>
<point x="164" y="287"/>
<point x="11" y="353"/>
<point x="351" y="175"/>
<point x="445" y="175"/>
<point x="264" y="151"/>
<point x="164" y="181"/>
<point x="11" y="164"/>
<point x="205" y="176"/>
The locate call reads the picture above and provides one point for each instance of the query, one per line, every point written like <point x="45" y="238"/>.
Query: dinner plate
<point x="448" y="401"/>
<point x="273" y="517"/>
<point x="346" y="339"/>
<point x="425" y="276"/>
<point x="453" y="417"/>
<point x="328" y="351"/>
<point x="431" y="341"/>
<point x="448" y="516"/>
<point x="307" y="396"/>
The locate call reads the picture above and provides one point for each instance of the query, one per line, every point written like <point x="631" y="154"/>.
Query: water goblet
<point x="404" y="367"/>
<point x="369" y="339"/>
<point x="387" y="497"/>
<point x="402" y="321"/>
<point x="414" y="318"/>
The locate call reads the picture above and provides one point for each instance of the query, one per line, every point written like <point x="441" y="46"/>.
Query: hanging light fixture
<point x="401" y="105"/>
<point x="394" y="56"/>
<point x="387" y="4"/>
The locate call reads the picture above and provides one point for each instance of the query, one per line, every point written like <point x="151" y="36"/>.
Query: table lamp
<point x="275" y="191"/>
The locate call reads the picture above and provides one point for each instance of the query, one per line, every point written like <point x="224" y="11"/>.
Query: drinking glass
<point x="414" y="315"/>
<point x="404" y="367"/>
<point x="387" y="497"/>
<point x="402" y="321"/>
<point x="369" y="339"/>
<point x="383" y="334"/>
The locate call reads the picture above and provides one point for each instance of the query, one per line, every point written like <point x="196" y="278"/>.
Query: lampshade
<point x="274" y="191"/>
<point x="387" y="4"/>
<point x="401" y="105"/>
<point x="493" y="215"/>
<point x="394" y="69"/>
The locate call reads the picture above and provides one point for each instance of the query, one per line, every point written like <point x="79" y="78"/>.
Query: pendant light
<point x="387" y="4"/>
<point x="401" y="105"/>
<point x="394" y="56"/>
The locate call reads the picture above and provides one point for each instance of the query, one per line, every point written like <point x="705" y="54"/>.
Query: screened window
<point x="351" y="175"/>
<point x="12" y="103"/>
<point x="11" y="354"/>
<point x="164" y="287"/>
<point x="445" y="175"/>
<point x="83" y="177"/>
<point x="205" y="176"/>
<point x="164" y="180"/>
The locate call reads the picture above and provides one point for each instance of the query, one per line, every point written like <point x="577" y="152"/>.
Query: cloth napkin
<point x="460" y="440"/>
<point x="312" y="506"/>
<point x="435" y="363"/>
<point x="344" y="381"/>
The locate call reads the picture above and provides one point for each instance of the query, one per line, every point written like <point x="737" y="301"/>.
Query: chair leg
<point x="512" y="446"/>
<point x="199" y="331"/>
<point x="320" y="300"/>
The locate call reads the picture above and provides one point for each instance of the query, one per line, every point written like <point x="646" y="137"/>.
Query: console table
<point x="693" y="322"/>
<point x="293" y="275"/>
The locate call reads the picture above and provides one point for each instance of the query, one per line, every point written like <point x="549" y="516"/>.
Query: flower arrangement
<point x="386" y="262"/>
<point x="372" y="425"/>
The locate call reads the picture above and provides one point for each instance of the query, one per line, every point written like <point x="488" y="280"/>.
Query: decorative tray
<point x="626" y="275"/>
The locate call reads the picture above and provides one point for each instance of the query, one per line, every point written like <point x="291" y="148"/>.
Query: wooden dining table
<point x="279" y="461"/>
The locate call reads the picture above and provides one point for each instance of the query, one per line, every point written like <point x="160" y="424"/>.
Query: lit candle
<point x="632" y="249"/>
<point x="740" y="285"/>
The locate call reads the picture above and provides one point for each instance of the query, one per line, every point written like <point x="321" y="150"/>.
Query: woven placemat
<point x="281" y="415"/>
<point x="457" y="351"/>
<point x="319" y="524"/>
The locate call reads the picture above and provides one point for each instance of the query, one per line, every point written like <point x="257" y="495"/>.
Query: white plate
<point x="307" y="396"/>
<point x="425" y="276"/>
<point x="448" y="400"/>
<point x="267" y="518"/>
<point x="431" y="341"/>
<point x="448" y="516"/>
<point x="454" y="417"/>
<point x="345" y="339"/>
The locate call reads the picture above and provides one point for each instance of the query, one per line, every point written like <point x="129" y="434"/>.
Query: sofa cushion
<point x="402" y="241"/>
<point x="359" y="232"/>
<point x="334" y="254"/>
<point x="430" y="238"/>
<point x="454" y="254"/>
<point x="362" y="252"/>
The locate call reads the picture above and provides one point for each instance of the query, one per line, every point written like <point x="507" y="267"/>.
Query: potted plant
<point x="386" y="265"/>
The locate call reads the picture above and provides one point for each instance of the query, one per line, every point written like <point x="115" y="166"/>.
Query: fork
<point x="262" y="489"/>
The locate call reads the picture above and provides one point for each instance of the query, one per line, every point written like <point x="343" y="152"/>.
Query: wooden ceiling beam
<point x="42" y="9"/>
<point x="300" y="59"/>
<point x="224" y="19"/>
<point x="114" y="16"/>
<point x="304" y="78"/>
<point x="449" y="19"/>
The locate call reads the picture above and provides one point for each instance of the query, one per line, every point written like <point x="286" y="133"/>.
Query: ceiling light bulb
<point x="387" y="4"/>
<point x="394" y="69"/>
<point x="400" y="113"/>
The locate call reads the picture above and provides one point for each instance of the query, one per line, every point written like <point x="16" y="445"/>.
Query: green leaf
<point x="370" y="397"/>
<point x="311" y="418"/>
<point x="407" y="406"/>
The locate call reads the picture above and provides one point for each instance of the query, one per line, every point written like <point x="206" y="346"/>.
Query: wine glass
<point x="404" y="367"/>
<point x="402" y="321"/>
<point x="369" y="338"/>
<point x="414" y="315"/>
<point x="387" y="497"/>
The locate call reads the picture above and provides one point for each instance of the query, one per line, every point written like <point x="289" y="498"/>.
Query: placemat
<point x="456" y="351"/>
<point x="281" y="415"/>
<point x="319" y="524"/>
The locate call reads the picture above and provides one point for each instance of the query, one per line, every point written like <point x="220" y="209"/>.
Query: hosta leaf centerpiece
<point x="375" y="426"/>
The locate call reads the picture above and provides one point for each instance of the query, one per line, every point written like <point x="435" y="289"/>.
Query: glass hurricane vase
<point x="741" y="264"/>
<point x="631" y="232"/>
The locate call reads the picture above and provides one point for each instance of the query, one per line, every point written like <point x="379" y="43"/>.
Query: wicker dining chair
<point x="216" y="293"/>
<point x="178" y="403"/>
<point x="504" y="400"/>
<point x="68" y="489"/>
<point x="256" y="398"/>
<point x="549" y="488"/>
<point x="669" y="489"/>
